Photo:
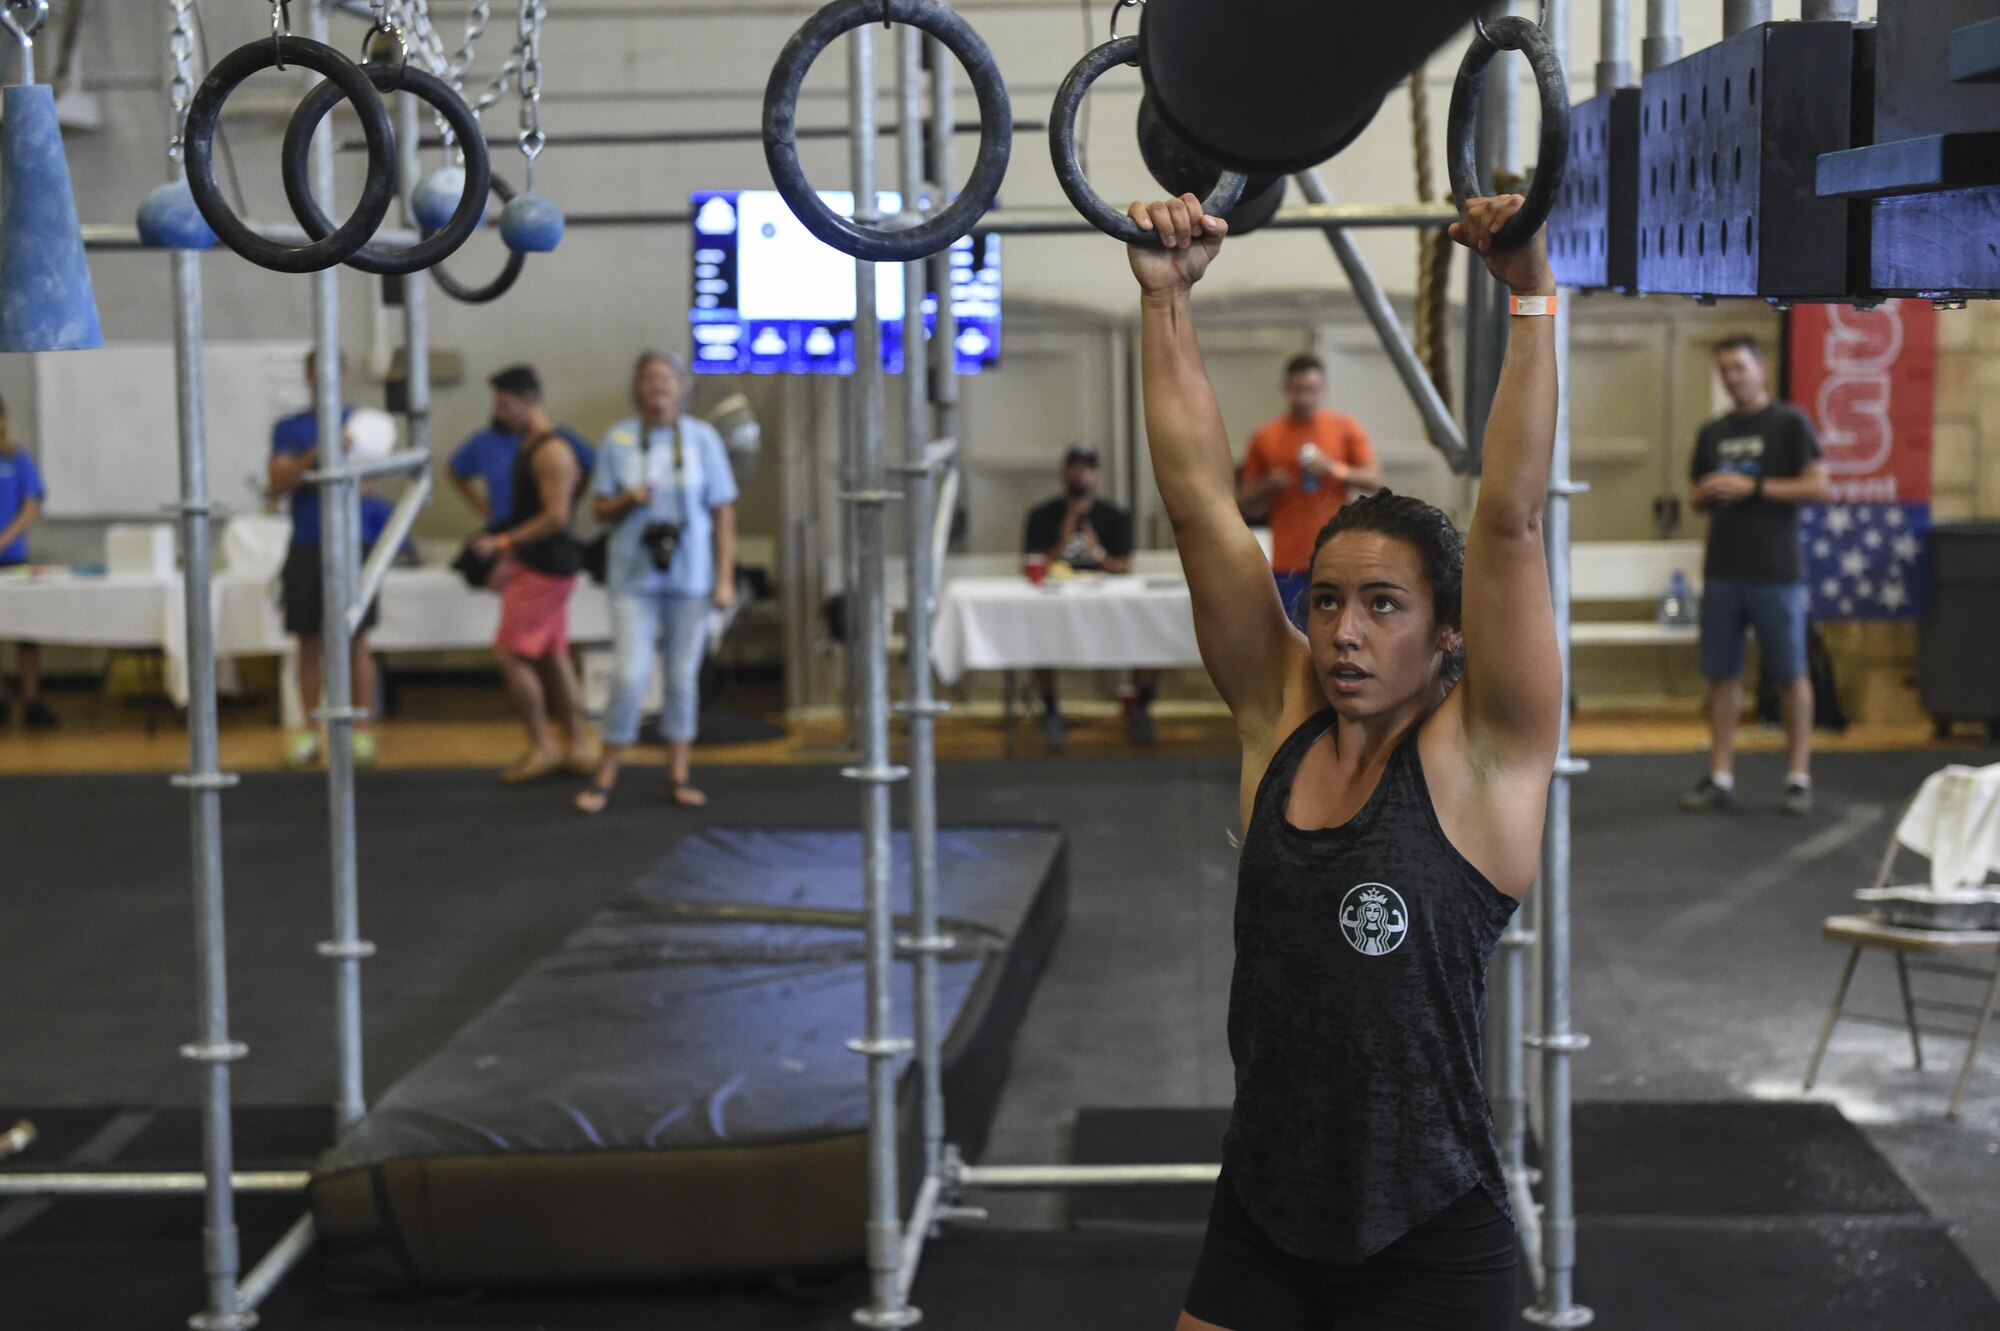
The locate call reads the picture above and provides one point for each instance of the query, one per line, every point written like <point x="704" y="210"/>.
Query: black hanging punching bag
<point x="1265" y="86"/>
<point x="1182" y="171"/>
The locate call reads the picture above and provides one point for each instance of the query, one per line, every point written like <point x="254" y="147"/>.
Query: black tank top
<point x="1354" y="1016"/>
<point x="559" y="556"/>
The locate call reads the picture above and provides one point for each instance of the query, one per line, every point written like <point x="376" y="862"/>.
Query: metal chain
<point x="180" y="88"/>
<point x="476" y="21"/>
<point x="281" y="27"/>
<point x="530" y="50"/>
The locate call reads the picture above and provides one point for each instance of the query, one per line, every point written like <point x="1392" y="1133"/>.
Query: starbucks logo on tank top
<point x="1374" y="919"/>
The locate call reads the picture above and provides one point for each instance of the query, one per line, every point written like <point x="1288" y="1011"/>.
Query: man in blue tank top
<point x="1396" y="765"/>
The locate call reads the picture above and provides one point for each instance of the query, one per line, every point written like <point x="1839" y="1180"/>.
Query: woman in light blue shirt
<point x="663" y="487"/>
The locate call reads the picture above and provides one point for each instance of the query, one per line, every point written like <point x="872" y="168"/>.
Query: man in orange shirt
<point x="1299" y="470"/>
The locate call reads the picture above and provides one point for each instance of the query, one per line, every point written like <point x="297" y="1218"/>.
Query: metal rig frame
<point x="894" y="1243"/>
<point x="234" y="1295"/>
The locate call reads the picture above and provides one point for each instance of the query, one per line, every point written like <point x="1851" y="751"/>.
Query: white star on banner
<point x="1894" y="598"/>
<point x="1894" y="517"/>
<point x="1863" y="588"/>
<point x="1830" y="588"/>
<point x="1905" y="548"/>
<point x="1823" y="548"/>
<point x="1846" y="606"/>
<point x="1853" y="562"/>
<point x="1839" y="521"/>
<point x="1872" y="539"/>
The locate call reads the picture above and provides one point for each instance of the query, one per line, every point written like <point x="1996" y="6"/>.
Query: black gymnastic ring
<point x="396" y="76"/>
<point x="781" y="149"/>
<point x="378" y="191"/>
<point x="1512" y="33"/>
<point x="1069" y="170"/>
<point x="499" y="286"/>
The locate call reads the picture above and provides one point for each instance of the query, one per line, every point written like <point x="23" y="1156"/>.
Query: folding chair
<point x="1930" y="951"/>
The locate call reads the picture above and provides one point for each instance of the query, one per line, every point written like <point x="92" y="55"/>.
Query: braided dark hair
<point x="1440" y="548"/>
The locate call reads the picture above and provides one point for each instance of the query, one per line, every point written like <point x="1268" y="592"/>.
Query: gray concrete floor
<point x="1700" y="973"/>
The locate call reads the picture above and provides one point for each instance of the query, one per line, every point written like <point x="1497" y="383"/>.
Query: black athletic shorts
<point x="1456" y="1272"/>
<point x="299" y="593"/>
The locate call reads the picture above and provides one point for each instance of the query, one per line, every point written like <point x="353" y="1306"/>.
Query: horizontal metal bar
<point x="1982" y="974"/>
<point x="287" y="1253"/>
<point x="1055" y="1177"/>
<point x="409" y="459"/>
<point x="124" y="236"/>
<point x="1064" y="220"/>
<point x="1897" y="1023"/>
<point x="25" y="1184"/>
<point x="650" y="137"/>
<point x="1975" y="53"/>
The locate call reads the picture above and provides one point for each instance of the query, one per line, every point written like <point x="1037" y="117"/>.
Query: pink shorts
<point x="534" y="612"/>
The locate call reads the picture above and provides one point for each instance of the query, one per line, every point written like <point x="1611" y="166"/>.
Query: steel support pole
<point x="1614" y="42"/>
<point x="339" y="521"/>
<point x="943" y="347"/>
<point x="1838" y="10"/>
<point x="416" y="291"/>
<point x="869" y="640"/>
<point x="1662" y="46"/>
<point x="1374" y="302"/>
<point x="204" y="783"/>
<point x="919" y="493"/>
<point x="1556" y="1306"/>
<point x="1741" y="15"/>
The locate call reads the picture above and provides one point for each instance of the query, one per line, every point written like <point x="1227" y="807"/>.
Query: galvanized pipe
<point x="944" y="332"/>
<point x="339" y="522"/>
<point x="1556" y="1305"/>
<point x="1662" y="46"/>
<point x="919" y="490"/>
<point x="930" y="1195"/>
<point x="1845" y="11"/>
<point x="287" y="1253"/>
<point x="1742" y="15"/>
<point x="205" y="782"/>
<point x="401" y="519"/>
<point x="125" y="235"/>
<point x="1438" y="424"/>
<point x="142" y="1183"/>
<point x="416" y="291"/>
<point x="868" y="640"/>
<point x="1065" y="221"/>
<point x="1614" y="42"/>
<point x="1045" y="1178"/>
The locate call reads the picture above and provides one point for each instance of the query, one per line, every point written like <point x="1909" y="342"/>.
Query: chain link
<point x="180" y="87"/>
<point x="530" y="52"/>
<point x="281" y="27"/>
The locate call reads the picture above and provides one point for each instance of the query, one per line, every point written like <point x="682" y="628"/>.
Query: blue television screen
<point x="772" y="298"/>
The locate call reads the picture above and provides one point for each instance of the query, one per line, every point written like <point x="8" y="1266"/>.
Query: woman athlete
<point x="1396" y="764"/>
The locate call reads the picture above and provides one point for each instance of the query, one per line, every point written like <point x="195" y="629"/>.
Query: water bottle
<point x="1674" y="605"/>
<point x="1308" y="478"/>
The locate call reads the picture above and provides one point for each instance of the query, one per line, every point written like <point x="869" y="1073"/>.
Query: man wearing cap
<point x="1086" y="532"/>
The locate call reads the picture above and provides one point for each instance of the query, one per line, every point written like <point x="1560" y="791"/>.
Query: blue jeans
<point x="1777" y="610"/>
<point x="675" y="628"/>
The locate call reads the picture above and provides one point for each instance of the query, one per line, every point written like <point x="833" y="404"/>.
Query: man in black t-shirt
<point x="1751" y="471"/>
<point x="1089" y="534"/>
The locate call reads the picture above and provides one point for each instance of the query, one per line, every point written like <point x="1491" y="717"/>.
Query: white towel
<point x="1955" y="821"/>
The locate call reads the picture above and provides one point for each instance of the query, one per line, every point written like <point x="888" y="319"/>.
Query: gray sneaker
<point x="1707" y="797"/>
<point x="1797" y="800"/>
<point x="1055" y="732"/>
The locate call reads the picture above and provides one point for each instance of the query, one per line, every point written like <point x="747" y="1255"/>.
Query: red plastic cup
<point x="1036" y="567"/>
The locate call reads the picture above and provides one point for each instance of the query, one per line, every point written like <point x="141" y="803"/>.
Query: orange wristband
<point x="1530" y="306"/>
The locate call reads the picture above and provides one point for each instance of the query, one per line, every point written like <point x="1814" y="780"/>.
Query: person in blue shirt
<point x="482" y="468"/>
<point x="294" y="453"/>
<point x="664" y="490"/>
<point x="21" y="496"/>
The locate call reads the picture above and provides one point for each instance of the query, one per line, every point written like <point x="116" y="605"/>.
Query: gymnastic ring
<point x="500" y="285"/>
<point x="1069" y="170"/>
<point x="378" y="191"/>
<point x="428" y="88"/>
<point x="1512" y="33"/>
<point x="781" y="150"/>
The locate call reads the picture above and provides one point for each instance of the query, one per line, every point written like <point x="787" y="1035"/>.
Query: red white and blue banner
<point x="1868" y="380"/>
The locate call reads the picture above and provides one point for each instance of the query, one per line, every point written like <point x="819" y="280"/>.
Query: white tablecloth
<point x="1084" y="624"/>
<point x="59" y="607"/>
<point x="423" y="610"/>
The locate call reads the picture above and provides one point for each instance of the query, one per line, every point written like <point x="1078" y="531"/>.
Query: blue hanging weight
<point x="46" y="301"/>
<point x="531" y="224"/>
<point x="169" y="220"/>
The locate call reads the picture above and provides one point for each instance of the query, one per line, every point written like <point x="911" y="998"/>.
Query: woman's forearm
<point x="1184" y="428"/>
